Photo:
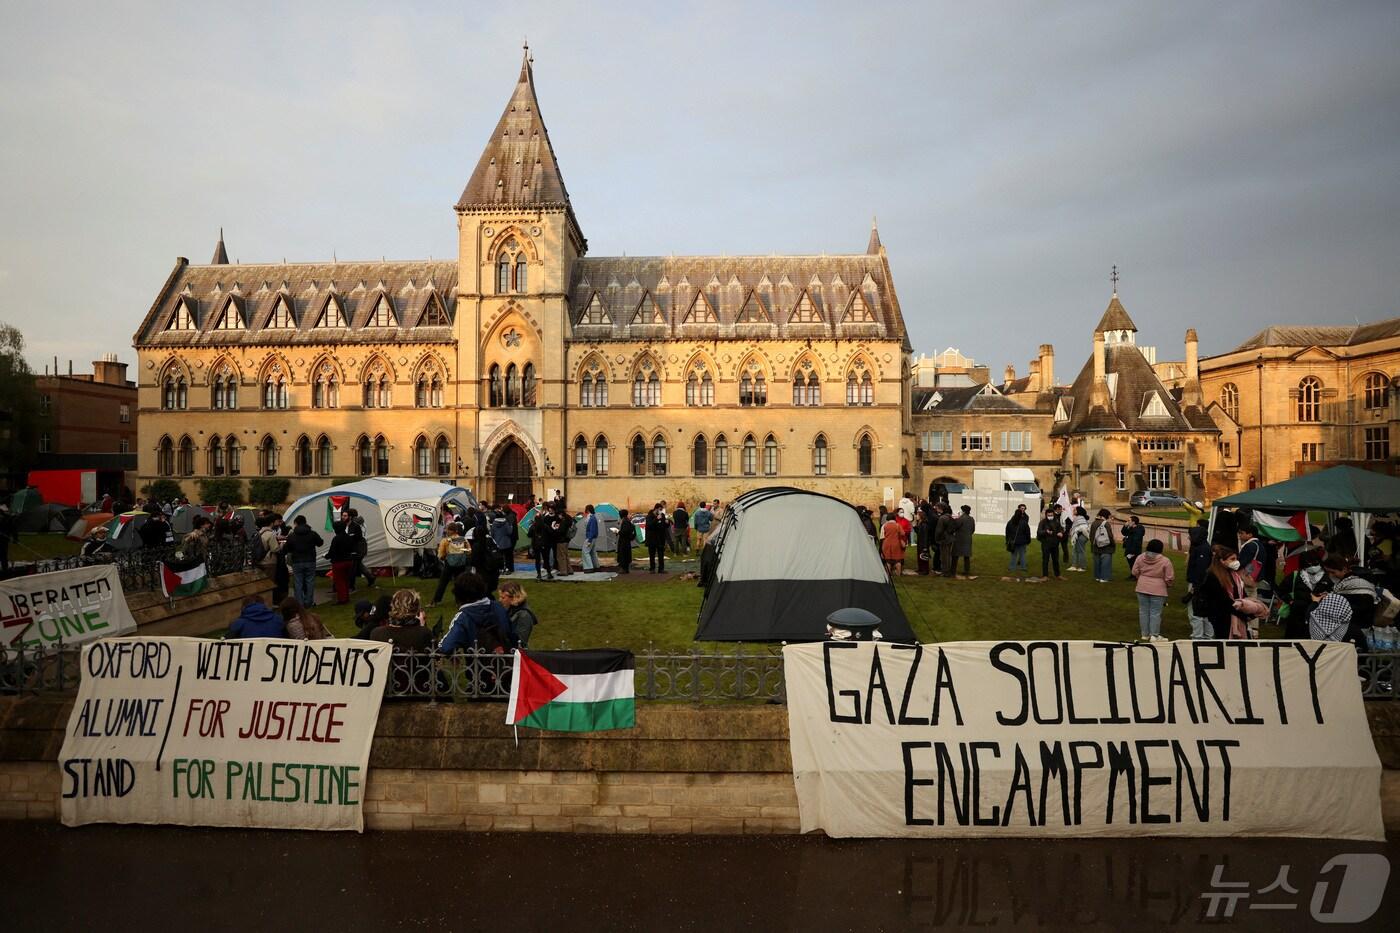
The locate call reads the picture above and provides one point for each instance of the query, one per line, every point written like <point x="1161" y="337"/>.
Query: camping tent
<point x="1338" y="489"/>
<point x="783" y="560"/>
<point x="608" y="518"/>
<point x="48" y="517"/>
<point x="123" y="530"/>
<point x="182" y="519"/>
<point x="401" y="514"/>
<point x="83" y="525"/>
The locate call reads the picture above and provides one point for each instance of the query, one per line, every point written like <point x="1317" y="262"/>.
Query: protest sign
<point x="1046" y="738"/>
<point x="408" y="523"/>
<point x="65" y="607"/>
<point x="266" y="732"/>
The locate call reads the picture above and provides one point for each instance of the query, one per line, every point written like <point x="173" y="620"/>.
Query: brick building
<point x="92" y="418"/>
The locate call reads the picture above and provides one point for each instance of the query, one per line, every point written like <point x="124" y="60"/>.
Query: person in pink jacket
<point x="1154" y="574"/>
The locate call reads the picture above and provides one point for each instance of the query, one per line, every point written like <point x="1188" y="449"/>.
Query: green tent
<point x="1337" y="489"/>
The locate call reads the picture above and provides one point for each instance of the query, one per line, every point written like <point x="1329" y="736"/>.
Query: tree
<point x="21" y="417"/>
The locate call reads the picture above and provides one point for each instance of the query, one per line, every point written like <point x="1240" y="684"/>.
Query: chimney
<point x="1010" y="374"/>
<point x="1047" y="367"/>
<point x="1034" y="385"/>
<point x="1191" y="391"/>
<point x="108" y="371"/>
<point x="1098" y="397"/>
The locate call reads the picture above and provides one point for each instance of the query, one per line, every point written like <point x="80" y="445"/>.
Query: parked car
<point x="1155" y="498"/>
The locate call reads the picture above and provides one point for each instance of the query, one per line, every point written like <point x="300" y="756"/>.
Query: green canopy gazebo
<point x="1337" y="489"/>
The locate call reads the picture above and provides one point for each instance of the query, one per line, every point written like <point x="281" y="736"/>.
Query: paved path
<point x="151" y="878"/>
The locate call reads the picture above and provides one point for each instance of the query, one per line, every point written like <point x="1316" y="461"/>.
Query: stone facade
<point x="527" y="366"/>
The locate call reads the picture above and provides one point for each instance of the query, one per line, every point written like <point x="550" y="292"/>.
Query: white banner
<point x="66" y="607"/>
<point x="408" y="523"/>
<point x="1247" y="738"/>
<point x="266" y="732"/>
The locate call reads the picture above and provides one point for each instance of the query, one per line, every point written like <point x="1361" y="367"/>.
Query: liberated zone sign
<point x="270" y="733"/>
<point x="63" y="607"/>
<point x="1046" y="738"/>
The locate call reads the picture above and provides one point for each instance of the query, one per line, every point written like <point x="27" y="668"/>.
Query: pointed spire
<point x="517" y="168"/>
<point x="1115" y="318"/>
<point x="220" y="254"/>
<point x="874" y="246"/>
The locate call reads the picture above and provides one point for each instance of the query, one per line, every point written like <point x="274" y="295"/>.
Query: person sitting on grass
<point x="522" y="617"/>
<point x="365" y="619"/>
<point x="257" y="620"/>
<point x="301" y="622"/>
<point x="480" y="622"/>
<point x="404" y="629"/>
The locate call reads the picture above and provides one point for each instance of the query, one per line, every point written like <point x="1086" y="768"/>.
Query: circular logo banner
<point x="410" y="523"/>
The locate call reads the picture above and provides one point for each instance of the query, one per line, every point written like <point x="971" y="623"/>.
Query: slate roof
<point x="1115" y="317"/>
<point x="1133" y="383"/>
<point x="518" y="166"/>
<point x="750" y="296"/>
<point x="255" y="289"/>
<point x="1304" y="335"/>
<point x="961" y="398"/>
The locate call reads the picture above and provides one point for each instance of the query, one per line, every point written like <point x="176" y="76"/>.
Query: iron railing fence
<point x="742" y="675"/>
<point x="140" y="569"/>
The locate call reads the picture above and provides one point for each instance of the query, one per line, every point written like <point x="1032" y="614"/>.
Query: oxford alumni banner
<point x="65" y="607"/>
<point x="1053" y="738"/>
<point x="265" y="732"/>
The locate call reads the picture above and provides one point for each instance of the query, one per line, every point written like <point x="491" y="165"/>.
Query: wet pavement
<point x="153" y="878"/>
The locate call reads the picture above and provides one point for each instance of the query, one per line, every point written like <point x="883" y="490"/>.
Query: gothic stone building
<point x="527" y="365"/>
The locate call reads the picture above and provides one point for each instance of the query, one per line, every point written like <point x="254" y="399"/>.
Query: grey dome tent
<point x="784" y="559"/>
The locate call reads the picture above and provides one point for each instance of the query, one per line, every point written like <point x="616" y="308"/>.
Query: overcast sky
<point x="1239" y="161"/>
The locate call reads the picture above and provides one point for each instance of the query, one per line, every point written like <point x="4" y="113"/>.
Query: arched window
<point x="165" y="457"/>
<point x="364" y="456"/>
<point x="639" y="456"/>
<point x="495" y="393"/>
<point x="216" y="394"/>
<point x="512" y="386"/>
<point x="527" y="386"/>
<point x="1376" y="390"/>
<point x="860" y="385"/>
<point x="653" y="390"/>
<point x="435" y="391"/>
<point x="852" y="389"/>
<point x="646" y="386"/>
<point x="503" y="274"/>
<point x="325" y="391"/>
<point x="323" y="456"/>
<point x="235" y="455"/>
<point x="304" y="464"/>
<point x="692" y="390"/>
<point x="420" y="392"/>
<point x="1230" y="400"/>
<point x="381" y="456"/>
<point x="580" y="456"/>
<point x="721" y="456"/>
<point x="384" y="400"/>
<point x="421" y="461"/>
<point x="224" y="394"/>
<point x="186" y="457"/>
<point x="867" y="390"/>
<point x="707" y="389"/>
<point x="217" y="464"/>
<point x="522" y="277"/>
<point x="699" y="387"/>
<point x="376" y="394"/>
<point x="658" y="456"/>
<point x="819" y="461"/>
<point x="806" y="385"/>
<point x="770" y="456"/>
<point x="275" y="389"/>
<point x="865" y="458"/>
<point x="175" y="394"/>
<point x="748" y="458"/>
<point x="700" y="456"/>
<point x="753" y="389"/>
<point x="593" y="387"/>
<point x="600" y="456"/>
<point x="444" y="456"/>
<point x="511" y="258"/>
<point x="267" y="456"/>
<point x="585" y="391"/>
<point x="1310" y="399"/>
<point x="799" y="389"/>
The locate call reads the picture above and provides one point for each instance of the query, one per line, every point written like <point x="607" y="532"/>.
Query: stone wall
<point x="202" y="613"/>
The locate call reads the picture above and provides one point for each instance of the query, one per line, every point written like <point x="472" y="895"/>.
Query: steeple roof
<point x="874" y="246"/>
<point x="517" y="167"/>
<point x="220" y="254"/>
<point x="1115" y="318"/>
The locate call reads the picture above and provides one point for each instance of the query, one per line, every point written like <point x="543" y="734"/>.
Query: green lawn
<point x="44" y="546"/>
<point x="1178" y="514"/>
<point x="643" y="610"/>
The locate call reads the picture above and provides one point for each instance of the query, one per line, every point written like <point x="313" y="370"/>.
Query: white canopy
<point x="401" y="514"/>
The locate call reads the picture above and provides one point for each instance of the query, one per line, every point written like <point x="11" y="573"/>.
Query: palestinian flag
<point x="334" y="506"/>
<point x="177" y="583"/>
<point x="1282" y="527"/>
<point x="123" y="520"/>
<point x="422" y="522"/>
<point x="573" y="691"/>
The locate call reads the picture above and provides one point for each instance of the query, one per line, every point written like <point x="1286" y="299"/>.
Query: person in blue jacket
<point x="257" y="620"/>
<point x="480" y="622"/>
<point x="590" y="541"/>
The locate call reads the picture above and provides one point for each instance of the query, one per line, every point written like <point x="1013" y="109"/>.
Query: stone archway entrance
<point x="513" y="477"/>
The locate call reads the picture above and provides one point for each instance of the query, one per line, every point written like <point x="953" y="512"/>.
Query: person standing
<point x="561" y="531"/>
<point x="356" y="531"/>
<point x="923" y="540"/>
<point x="702" y="520"/>
<point x="513" y="538"/>
<point x="452" y="557"/>
<point x="1048" y="533"/>
<point x="945" y="537"/>
<point x="1104" y="543"/>
<point x="892" y="545"/>
<point x="1079" y="536"/>
<point x="341" y="554"/>
<point x="681" y="518"/>
<point x="541" y="547"/>
<point x="1197" y="567"/>
<point x="590" y="540"/>
<point x="9" y="531"/>
<point x="656" y="533"/>
<point x="300" y="551"/>
<point x="155" y="533"/>
<point x="626" y="534"/>
<point x="1133" y="533"/>
<point x="1155" y="575"/>
<point x="1018" y="539"/>
<point x="962" y="547"/>
<point x="1215" y="599"/>
<point x="1065" y="519"/>
<point x="503" y="537"/>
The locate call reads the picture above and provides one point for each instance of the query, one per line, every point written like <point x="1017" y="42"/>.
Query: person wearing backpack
<point x="1104" y="544"/>
<point x="452" y="556"/>
<point x="1079" y="537"/>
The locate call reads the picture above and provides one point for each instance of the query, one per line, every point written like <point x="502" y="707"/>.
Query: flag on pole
<point x="176" y="583"/>
<point x="334" y="506"/>
<point x="573" y="691"/>
<point x="1292" y="527"/>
